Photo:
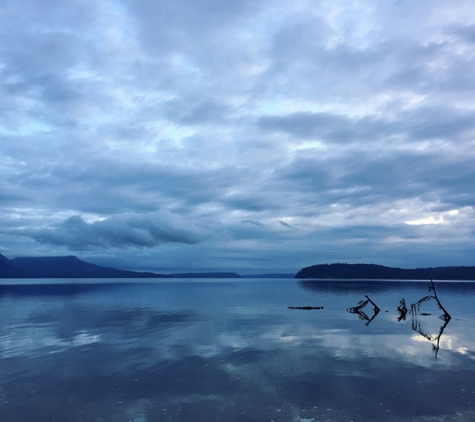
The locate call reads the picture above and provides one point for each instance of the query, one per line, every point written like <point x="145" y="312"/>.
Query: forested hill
<point x="372" y="271"/>
<point x="62" y="267"/>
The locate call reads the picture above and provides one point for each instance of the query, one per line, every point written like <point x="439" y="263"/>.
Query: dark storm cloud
<point x="125" y="184"/>
<point x="368" y="177"/>
<point x="120" y="231"/>
<point x="283" y="223"/>
<point x="423" y="123"/>
<point x="255" y="223"/>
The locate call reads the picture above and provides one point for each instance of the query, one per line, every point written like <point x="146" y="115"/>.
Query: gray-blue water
<point x="231" y="350"/>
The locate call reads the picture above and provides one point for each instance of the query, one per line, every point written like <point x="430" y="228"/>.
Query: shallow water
<point x="231" y="350"/>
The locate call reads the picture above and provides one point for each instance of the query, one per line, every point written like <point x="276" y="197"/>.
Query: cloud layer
<point x="238" y="135"/>
<point x="120" y="231"/>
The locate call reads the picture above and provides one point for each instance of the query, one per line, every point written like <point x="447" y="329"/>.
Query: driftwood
<point x="402" y="309"/>
<point x="415" y="307"/>
<point x="416" y="324"/>
<point x="305" y="308"/>
<point x="359" y="310"/>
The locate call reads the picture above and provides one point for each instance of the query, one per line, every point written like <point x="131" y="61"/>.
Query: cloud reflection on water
<point x="236" y="348"/>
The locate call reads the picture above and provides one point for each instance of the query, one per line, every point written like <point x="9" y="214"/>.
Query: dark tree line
<point x="373" y="272"/>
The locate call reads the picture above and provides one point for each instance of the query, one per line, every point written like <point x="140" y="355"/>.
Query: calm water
<point x="218" y="350"/>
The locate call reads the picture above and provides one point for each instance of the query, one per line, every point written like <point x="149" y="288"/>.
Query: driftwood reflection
<point x="416" y="323"/>
<point x="416" y="326"/>
<point x="359" y="310"/>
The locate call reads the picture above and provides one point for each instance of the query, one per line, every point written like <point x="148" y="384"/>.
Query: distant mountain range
<point x="372" y="271"/>
<point x="63" y="267"/>
<point x="73" y="267"/>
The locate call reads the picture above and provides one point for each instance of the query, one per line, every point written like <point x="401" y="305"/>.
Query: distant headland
<point x="372" y="272"/>
<point x="73" y="267"/>
<point x="63" y="267"/>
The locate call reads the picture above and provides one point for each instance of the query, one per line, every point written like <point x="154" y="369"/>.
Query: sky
<point x="243" y="136"/>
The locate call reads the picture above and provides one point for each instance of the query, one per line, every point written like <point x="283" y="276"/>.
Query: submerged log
<point x="305" y="308"/>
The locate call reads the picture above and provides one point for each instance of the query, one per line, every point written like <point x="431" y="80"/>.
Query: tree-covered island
<point x="372" y="272"/>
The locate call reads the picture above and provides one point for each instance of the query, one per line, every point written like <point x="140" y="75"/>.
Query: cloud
<point x="347" y="119"/>
<point x="253" y="222"/>
<point x="121" y="231"/>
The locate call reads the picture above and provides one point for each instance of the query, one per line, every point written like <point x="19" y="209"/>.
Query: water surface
<point x="231" y="350"/>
